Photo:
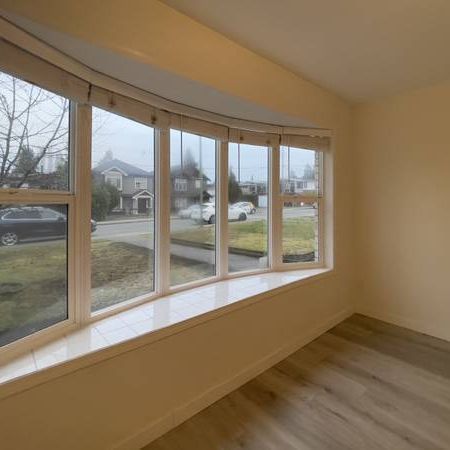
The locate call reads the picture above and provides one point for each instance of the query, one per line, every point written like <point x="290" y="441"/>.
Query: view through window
<point x="193" y="207"/>
<point x="248" y="193"/>
<point x="300" y="173"/>
<point x="123" y="209"/>
<point x="34" y="155"/>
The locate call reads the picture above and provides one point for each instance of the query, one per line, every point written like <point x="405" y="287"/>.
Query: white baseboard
<point x="180" y="414"/>
<point x="405" y="322"/>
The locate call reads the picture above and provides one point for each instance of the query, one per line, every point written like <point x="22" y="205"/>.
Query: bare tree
<point x="33" y="125"/>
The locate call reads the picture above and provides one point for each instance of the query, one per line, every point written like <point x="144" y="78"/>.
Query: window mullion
<point x="162" y="184"/>
<point x="222" y="208"/>
<point x="275" y="219"/>
<point x="81" y="223"/>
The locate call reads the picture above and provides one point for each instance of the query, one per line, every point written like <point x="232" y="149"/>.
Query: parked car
<point x="248" y="207"/>
<point x="208" y="213"/>
<point x="32" y="222"/>
<point x="187" y="212"/>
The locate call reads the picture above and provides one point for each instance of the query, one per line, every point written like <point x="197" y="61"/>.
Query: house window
<point x="114" y="279"/>
<point x="140" y="183"/>
<point x="34" y="234"/>
<point x="192" y="230"/>
<point x="181" y="185"/>
<point x="114" y="179"/>
<point x="301" y="208"/>
<point x="248" y="167"/>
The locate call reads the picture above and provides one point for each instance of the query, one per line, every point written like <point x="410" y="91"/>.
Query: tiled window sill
<point x="152" y="321"/>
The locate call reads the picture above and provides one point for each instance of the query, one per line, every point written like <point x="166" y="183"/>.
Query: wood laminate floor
<point x="365" y="384"/>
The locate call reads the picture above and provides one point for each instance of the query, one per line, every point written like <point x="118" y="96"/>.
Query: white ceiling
<point x="360" y="49"/>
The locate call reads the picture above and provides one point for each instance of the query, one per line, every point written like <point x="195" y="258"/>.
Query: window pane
<point x="33" y="269"/>
<point x="300" y="171"/>
<point x="122" y="246"/>
<point x="247" y="212"/>
<point x="34" y="136"/>
<point x="193" y="214"/>
<point x="300" y="232"/>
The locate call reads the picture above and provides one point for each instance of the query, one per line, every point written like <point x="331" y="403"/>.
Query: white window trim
<point x="137" y="106"/>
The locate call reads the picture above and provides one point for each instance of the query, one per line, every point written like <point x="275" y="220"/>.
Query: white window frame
<point x="152" y="111"/>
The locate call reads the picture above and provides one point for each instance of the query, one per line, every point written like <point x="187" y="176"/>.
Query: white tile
<point x="133" y="316"/>
<point x="84" y="341"/>
<point x="187" y="313"/>
<point x="165" y="319"/>
<point x="109" y="324"/>
<point x="23" y="365"/>
<point x="180" y="301"/>
<point x="120" y="335"/>
<point x="53" y="353"/>
<point x="143" y="327"/>
<point x="147" y="309"/>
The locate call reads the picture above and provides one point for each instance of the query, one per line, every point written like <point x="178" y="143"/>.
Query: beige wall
<point x="96" y="407"/>
<point x="403" y="209"/>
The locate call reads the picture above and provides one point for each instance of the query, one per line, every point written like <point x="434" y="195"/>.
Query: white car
<point x="187" y="212"/>
<point x="248" y="207"/>
<point x="209" y="213"/>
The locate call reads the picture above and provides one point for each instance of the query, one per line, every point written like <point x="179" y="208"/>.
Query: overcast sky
<point x="134" y="143"/>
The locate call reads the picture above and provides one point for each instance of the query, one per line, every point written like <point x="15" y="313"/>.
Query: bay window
<point x="107" y="201"/>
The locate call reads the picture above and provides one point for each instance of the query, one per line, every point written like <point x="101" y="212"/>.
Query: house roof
<point x="127" y="169"/>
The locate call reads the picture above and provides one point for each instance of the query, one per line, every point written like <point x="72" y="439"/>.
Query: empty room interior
<point x="224" y="225"/>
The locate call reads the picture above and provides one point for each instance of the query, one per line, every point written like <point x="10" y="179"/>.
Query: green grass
<point x="32" y="284"/>
<point x="298" y="235"/>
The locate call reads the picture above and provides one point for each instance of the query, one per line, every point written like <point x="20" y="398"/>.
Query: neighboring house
<point x="298" y="185"/>
<point x="134" y="184"/>
<point x="253" y="188"/>
<point x="188" y="187"/>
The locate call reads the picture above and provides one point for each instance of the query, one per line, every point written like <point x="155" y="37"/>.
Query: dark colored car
<point x="32" y="223"/>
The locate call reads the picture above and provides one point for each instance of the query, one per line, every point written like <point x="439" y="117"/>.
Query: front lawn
<point x="299" y="235"/>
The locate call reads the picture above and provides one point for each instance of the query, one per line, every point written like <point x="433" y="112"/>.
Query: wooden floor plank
<point x="364" y="385"/>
